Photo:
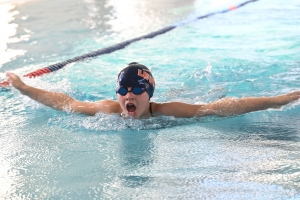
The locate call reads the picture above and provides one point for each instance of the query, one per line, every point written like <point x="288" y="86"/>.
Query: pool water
<point x="252" y="51"/>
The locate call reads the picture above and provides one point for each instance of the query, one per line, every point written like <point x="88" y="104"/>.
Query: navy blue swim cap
<point x="136" y="75"/>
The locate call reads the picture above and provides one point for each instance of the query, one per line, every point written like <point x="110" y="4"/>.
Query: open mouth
<point x="130" y="107"/>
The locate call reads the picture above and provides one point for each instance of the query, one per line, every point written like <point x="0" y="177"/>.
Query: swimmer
<point x="135" y="87"/>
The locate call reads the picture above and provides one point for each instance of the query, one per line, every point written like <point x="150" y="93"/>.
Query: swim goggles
<point x="135" y="90"/>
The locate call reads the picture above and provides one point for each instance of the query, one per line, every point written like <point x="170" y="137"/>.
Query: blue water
<point x="252" y="51"/>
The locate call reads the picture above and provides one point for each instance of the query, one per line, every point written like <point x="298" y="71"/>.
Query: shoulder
<point x="164" y="108"/>
<point x="178" y="109"/>
<point x="108" y="106"/>
<point x="91" y="108"/>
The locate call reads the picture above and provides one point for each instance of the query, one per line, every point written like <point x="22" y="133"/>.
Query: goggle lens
<point x="135" y="90"/>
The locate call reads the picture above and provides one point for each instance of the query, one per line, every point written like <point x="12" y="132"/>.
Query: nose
<point x="129" y="95"/>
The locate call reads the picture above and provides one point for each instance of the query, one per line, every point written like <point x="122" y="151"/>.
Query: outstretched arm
<point x="231" y="106"/>
<point x="226" y="106"/>
<point x="60" y="101"/>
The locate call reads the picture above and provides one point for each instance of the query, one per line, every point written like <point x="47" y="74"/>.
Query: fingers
<point x="295" y="94"/>
<point x="7" y="81"/>
<point x="10" y="75"/>
<point x="14" y="80"/>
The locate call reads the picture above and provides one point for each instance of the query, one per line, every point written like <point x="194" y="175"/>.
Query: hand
<point x="15" y="80"/>
<point x="287" y="98"/>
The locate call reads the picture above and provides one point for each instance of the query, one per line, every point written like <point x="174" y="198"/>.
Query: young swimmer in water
<point x="135" y="87"/>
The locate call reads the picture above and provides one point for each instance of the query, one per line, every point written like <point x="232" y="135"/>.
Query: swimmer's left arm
<point x="238" y="106"/>
<point x="224" y="107"/>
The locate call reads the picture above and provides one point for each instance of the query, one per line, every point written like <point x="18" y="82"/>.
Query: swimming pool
<point x="252" y="51"/>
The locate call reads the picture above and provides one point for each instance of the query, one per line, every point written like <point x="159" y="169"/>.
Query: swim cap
<point x="136" y="75"/>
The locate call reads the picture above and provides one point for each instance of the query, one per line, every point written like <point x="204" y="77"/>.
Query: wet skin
<point x="134" y="105"/>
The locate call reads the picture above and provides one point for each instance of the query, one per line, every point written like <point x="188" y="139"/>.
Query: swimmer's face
<point x="134" y="105"/>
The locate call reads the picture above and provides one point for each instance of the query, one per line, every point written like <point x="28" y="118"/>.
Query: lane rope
<point x="108" y="50"/>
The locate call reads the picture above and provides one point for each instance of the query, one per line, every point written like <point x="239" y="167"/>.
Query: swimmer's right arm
<point x="60" y="101"/>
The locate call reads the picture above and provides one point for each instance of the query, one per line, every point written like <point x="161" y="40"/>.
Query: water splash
<point x="113" y="122"/>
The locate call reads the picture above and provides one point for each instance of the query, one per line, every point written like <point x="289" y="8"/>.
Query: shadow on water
<point x="136" y="153"/>
<point x="242" y="127"/>
<point x="136" y="149"/>
<point x="271" y="131"/>
<point x="134" y="181"/>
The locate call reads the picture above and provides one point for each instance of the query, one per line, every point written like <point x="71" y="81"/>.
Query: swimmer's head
<point x="136" y="75"/>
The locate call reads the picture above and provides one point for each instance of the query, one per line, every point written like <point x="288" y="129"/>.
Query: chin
<point x="133" y="115"/>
